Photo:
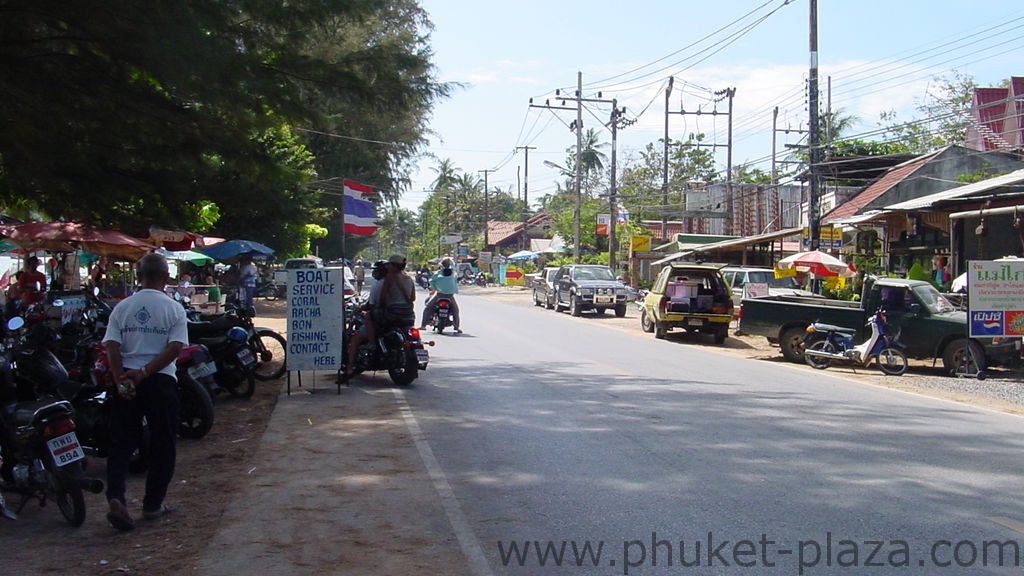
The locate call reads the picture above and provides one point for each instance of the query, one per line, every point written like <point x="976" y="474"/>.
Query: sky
<point x="873" y="55"/>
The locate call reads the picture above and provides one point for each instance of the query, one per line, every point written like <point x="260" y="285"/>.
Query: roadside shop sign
<point x="995" y="295"/>
<point x="315" y="304"/>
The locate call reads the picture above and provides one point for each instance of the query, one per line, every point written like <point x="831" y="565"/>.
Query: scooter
<point x="826" y="343"/>
<point x="398" y="349"/>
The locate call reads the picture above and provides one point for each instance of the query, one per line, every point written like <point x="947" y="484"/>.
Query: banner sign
<point x="315" y="304"/>
<point x="995" y="292"/>
<point x="603" y="221"/>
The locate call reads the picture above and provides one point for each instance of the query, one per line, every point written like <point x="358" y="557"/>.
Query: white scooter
<point x="825" y="343"/>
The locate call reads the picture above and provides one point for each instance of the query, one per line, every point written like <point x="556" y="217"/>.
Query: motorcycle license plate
<point x="245" y="356"/>
<point x="422" y="356"/>
<point x="65" y="449"/>
<point x="202" y="370"/>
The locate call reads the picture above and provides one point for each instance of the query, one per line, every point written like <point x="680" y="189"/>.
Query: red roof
<point x="894" y="176"/>
<point x="500" y="232"/>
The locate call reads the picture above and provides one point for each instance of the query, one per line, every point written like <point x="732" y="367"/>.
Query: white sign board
<point x="451" y="239"/>
<point x="995" y="292"/>
<point x="315" y="304"/>
<point x="755" y="289"/>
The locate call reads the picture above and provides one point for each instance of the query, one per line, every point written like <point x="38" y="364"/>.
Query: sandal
<point x="118" y="516"/>
<point x="156" y="514"/>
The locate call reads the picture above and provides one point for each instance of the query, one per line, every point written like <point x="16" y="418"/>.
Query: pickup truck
<point x="580" y="287"/>
<point x="928" y="325"/>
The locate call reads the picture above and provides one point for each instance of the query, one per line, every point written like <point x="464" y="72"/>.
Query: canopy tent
<point x="522" y="255"/>
<point x="818" y="263"/>
<point x="175" y="240"/>
<point x="190" y="256"/>
<point x="71" y="236"/>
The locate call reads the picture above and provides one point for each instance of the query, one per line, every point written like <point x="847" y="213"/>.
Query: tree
<point x="946" y="117"/>
<point x="137" y="113"/>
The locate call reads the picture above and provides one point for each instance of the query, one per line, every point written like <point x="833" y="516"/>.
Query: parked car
<point x="740" y="276"/>
<point x="544" y="287"/>
<point x="580" y="287"/>
<point x="692" y="297"/>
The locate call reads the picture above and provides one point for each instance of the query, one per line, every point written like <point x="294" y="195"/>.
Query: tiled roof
<point x="894" y="176"/>
<point x="500" y="231"/>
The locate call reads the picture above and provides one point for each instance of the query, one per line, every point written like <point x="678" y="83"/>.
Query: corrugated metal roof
<point x="960" y="192"/>
<point x="891" y="178"/>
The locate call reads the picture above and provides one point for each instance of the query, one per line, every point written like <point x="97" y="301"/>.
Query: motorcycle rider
<point x="443" y="284"/>
<point x="391" y="301"/>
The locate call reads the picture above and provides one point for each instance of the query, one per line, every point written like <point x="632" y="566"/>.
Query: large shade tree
<point x="141" y="112"/>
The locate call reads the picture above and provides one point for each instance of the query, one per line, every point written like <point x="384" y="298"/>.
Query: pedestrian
<point x="360" y="273"/>
<point x="247" y="278"/>
<point x="144" y="335"/>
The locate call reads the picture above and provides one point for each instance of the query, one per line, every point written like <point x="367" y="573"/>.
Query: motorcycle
<point x="269" y="347"/>
<point x="42" y="456"/>
<point x="397" y="349"/>
<point x="228" y="345"/>
<point x="826" y="343"/>
<point x="442" y="315"/>
<point x="423" y="280"/>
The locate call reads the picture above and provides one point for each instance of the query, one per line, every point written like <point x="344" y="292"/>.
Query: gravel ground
<point x="1002" y="390"/>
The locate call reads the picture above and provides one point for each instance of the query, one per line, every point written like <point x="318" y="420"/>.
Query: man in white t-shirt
<point x="145" y="333"/>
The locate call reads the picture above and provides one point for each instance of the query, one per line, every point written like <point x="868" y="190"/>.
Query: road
<point x="539" y="427"/>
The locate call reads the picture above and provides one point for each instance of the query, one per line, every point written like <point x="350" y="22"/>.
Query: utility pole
<point x="813" y="140"/>
<point x="487" y="214"/>
<point x="727" y="214"/>
<point x="576" y="125"/>
<point x="526" y="191"/>
<point x="664" y="172"/>
<point x="614" y="123"/>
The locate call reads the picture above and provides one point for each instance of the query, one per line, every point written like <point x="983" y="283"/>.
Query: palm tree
<point x="447" y="174"/>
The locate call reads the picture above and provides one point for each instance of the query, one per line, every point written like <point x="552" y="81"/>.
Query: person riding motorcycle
<point x="390" y="301"/>
<point x="443" y="284"/>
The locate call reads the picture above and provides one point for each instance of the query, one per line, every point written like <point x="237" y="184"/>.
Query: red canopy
<point x="71" y="236"/>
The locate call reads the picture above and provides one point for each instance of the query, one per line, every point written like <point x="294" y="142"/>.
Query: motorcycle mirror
<point x="15" y="323"/>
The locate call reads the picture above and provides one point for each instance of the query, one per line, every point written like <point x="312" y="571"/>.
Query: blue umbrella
<point x="233" y="250"/>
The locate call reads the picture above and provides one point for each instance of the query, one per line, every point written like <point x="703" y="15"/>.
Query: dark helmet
<point x="380" y="269"/>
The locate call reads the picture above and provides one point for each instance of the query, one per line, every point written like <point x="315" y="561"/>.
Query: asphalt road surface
<point x="565" y="446"/>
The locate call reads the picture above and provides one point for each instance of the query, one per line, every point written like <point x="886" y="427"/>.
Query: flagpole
<point x="344" y="305"/>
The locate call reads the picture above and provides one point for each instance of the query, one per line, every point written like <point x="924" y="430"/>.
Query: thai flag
<point x="360" y="213"/>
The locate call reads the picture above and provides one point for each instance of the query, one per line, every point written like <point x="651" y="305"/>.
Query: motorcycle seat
<point x="211" y="342"/>
<point x="27" y="413"/>
<point x="819" y="327"/>
<point x="217" y="327"/>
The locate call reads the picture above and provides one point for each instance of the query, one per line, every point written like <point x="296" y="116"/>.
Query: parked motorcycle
<point x="397" y="349"/>
<point x="827" y="343"/>
<point x="442" y="315"/>
<point x="268" y="346"/>
<point x="228" y="346"/>
<point x="42" y="457"/>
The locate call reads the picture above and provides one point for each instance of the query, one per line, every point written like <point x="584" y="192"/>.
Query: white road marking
<point x="467" y="538"/>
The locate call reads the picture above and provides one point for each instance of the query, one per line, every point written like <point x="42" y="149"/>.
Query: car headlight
<point x="587" y="291"/>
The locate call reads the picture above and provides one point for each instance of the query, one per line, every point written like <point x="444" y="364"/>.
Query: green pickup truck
<point x="929" y="326"/>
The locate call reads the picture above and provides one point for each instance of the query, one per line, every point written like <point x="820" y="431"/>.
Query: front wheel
<point x="892" y="361"/>
<point x="818" y="362"/>
<point x="575" y="308"/>
<point x="620" y="310"/>
<point x="270" y="348"/>
<point x="964" y="356"/>
<point x="196" y="416"/>
<point x="536" y="300"/>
